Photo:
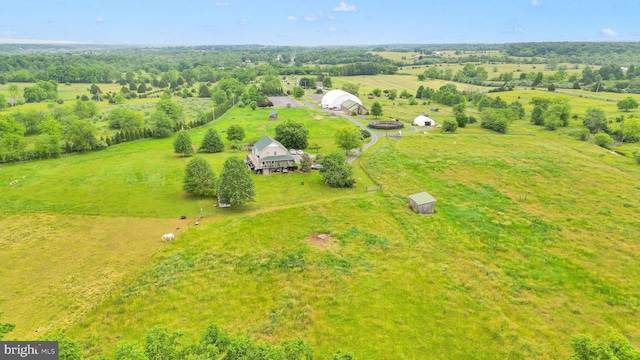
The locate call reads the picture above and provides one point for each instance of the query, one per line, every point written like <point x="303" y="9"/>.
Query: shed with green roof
<point x="422" y="203"/>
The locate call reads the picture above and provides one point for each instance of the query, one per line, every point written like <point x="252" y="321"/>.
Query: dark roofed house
<point x="422" y="203"/>
<point x="268" y="156"/>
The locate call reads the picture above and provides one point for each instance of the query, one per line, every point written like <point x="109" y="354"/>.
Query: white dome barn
<point x="335" y="98"/>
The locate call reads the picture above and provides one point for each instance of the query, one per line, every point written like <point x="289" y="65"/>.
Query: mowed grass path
<point x="144" y="178"/>
<point x="535" y="239"/>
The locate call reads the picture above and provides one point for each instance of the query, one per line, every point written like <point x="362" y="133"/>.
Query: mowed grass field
<point x="144" y="178"/>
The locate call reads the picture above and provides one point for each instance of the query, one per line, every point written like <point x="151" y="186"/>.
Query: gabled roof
<point x="266" y="141"/>
<point x="350" y="105"/>
<point x="422" y="198"/>
<point x="286" y="156"/>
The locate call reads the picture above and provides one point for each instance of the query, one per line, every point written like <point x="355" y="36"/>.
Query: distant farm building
<point x="422" y="203"/>
<point x="273" y="115"/>
<point x="269" y="156"/>
<point x="343" y="101"/>
<point x="423" y="120"/>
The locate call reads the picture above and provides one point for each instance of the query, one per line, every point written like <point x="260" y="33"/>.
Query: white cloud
<point x="164" y="31"/>
<point x="536" y="3"/>
<point x="518" y="29"/>
<point x="99" y="19"/>
<point x="344" y="7"/>
<point x="244" y="22"/>
<point x="609" y="32"/>
<point x="311" y="18"/>
<point x="332" y="29"/>
<point x="222" y="3"/>
<point x="9" y="33"/>
<point x="292" y="18"/>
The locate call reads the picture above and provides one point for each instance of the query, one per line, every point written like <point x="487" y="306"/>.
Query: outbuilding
<point x="423" y="120"/>
<point x="422" y="203"/>
<point x="273" y="115"/>
<point x="335" y="98"/>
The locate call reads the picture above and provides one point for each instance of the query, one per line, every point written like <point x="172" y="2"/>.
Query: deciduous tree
<point x="627" y="104"/>
<point x="292" y="135"/>
<point x="235" y="132"/>
<point x="348" y="137"/>
<point x="305" y="163"/>
<point x="336" y="171"/>
<point x="161" y="124"/>
<point x="297" y="92"/>
<point x="236" y="186"/>
<point x="376" y="109"/>
<point x="595" y="120"/>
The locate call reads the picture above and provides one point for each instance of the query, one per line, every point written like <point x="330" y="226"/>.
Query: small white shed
<point x="422" y="203"/>
<point x="423" y="120"/>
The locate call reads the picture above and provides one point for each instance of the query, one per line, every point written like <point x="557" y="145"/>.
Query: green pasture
<point x="525" y="250"/>
<point x="144" y="178"/>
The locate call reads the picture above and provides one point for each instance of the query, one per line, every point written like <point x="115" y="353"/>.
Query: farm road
<point x="374" y="135"/>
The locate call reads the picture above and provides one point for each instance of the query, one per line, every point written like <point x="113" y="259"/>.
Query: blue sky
<point x="317" y="22"/>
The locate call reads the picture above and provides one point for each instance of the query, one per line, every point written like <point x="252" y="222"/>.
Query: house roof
<point x="273" y="113"/>
<point x="266" y="141"/>
<point x="277" y="158"/>
<point x="422" y="198"/>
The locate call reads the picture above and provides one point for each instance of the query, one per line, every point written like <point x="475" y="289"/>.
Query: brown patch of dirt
<point x="321" y="241"/>
<point x="262" y="127"/>
<point x="318" y="117"/>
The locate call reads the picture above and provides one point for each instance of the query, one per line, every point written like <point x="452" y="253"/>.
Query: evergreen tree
<point x="199" y="178"/>
<point x="212" y="143"/>
<point x="182" y="144"/>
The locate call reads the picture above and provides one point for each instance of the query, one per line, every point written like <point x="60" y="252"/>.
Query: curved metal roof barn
<point x="335" y="98"/>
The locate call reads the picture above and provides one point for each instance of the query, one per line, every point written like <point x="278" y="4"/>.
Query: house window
<point x="274" y="153"/>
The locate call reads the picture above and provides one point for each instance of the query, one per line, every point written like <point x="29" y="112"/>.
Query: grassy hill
<point x="535" y="238"/>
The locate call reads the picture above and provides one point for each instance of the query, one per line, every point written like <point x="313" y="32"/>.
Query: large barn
<point x="423" y="120"/>
<point x="342" y="100"/>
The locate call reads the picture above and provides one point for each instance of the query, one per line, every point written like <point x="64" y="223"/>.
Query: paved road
<point x="374" y="135"/>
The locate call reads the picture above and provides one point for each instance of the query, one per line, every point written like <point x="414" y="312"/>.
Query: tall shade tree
<point x="14" y="91"/>
<point x="161" y="124"/>
<point x="199" y="178"/>
<point x="235" y="133"/>
<point x="182" y="144"/>
<point x="348" y="137"/>
<point x="627" y="104"/>
<point x="297" y="92"/>
<point x="173" y="110"/>
<point x="292" y="135"/>
<point x="82" y="135"/>
<point x="236" y="186"/>
<point x="212" y="143"/>
<point x="595" y="120"/>
<point x="336" y="171"/>
<point x="305" y="163"/>
<point x="376" y="109"/>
